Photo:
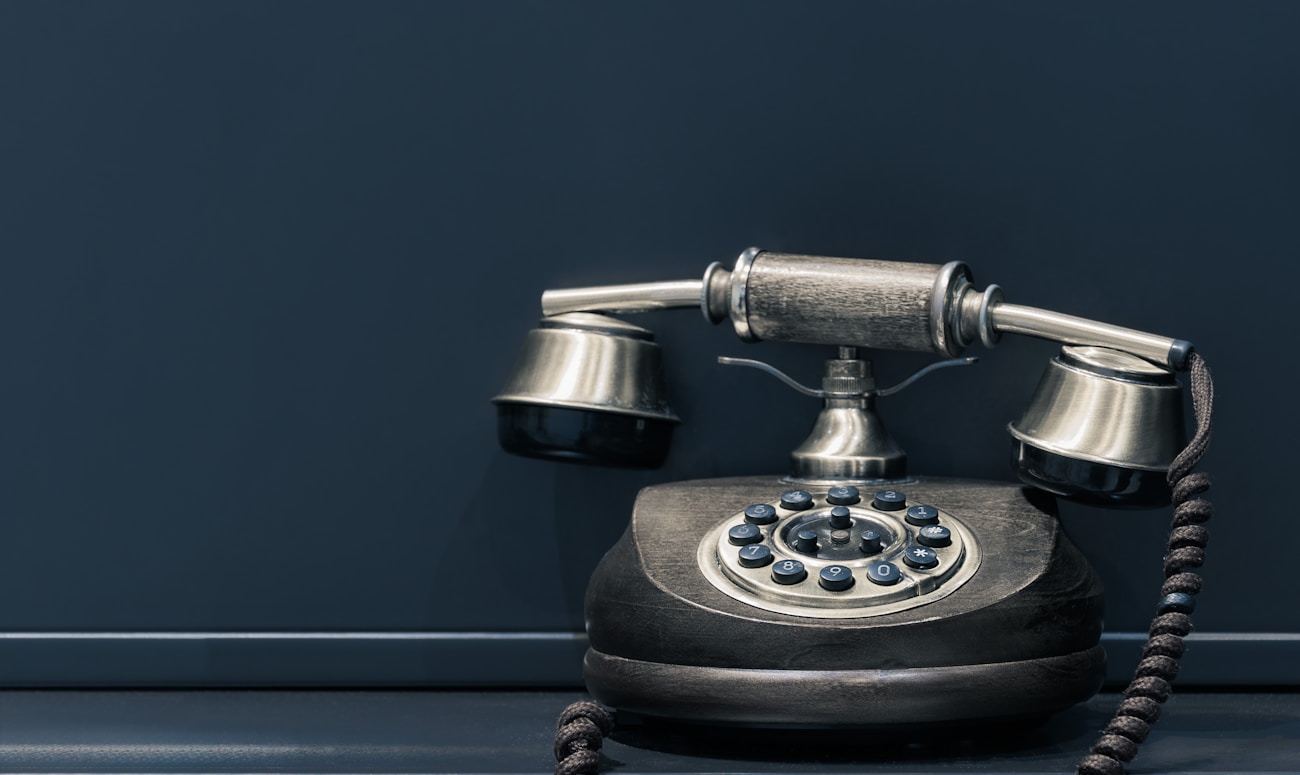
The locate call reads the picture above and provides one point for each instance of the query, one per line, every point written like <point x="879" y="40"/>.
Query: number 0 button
<point x="884" y="573"/>
<point x="835" y="578"/>
<point x="789" y="572"/>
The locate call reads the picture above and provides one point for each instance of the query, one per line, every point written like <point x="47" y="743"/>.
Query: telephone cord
<point x="579" y="733"/>
<point x="1150" y="686"/>
<point x="582" y="726"/>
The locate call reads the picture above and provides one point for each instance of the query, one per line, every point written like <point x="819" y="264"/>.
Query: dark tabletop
<point x="418" y="731"/>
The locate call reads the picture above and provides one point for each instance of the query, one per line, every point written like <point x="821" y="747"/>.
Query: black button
<point x="788" y="572"/>
<point x="796" y="500"/>
<point x="806" y="541"/>
<point x="755" y="556"/>
<point x="934" y="535"/>
<point x="760" y="514"/>
<point x="840" y="518"/>
<point x="889" y="500"/>
<point x="744" y="534"/>
<point x="843" y="496"/>
<point x="921" y="557"/>
<point x="884" y="573"/>
<point x="835" y="578"/>
<point x="921" y="515"/>
<point x="872" y="540"/>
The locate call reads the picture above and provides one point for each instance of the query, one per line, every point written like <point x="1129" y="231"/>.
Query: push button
<point x="806" y="541"/>
<point x="755" y="556"/>
<point x="796" y="500"/>
<point x="744" y="534"/>
<point x="871" y="541"/>
<point x="922" y="515"/>
<point x="889" y="500"/>
<point x="843" y="496"/>
<point x="760" y="514"/>
<point x="841" y="518"/>
<point x="835" y="578"/>
<point x="921" y="557"/>
<point x="789" y="572"/>
<point x="884" y="573"/>
<point x="934" y="535"/>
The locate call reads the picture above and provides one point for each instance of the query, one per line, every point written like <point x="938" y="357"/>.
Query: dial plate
<point x="892" y="564"/>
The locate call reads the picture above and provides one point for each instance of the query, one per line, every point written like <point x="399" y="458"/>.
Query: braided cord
<point x="1164" y="647"/>
<point x="579" y="733"/>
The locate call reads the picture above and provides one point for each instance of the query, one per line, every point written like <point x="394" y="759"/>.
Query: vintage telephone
<point x="849" y="592"/>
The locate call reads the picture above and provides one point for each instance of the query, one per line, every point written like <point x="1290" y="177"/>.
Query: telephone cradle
<point x="1004" y="623"/>
<point x="850" y="594"/>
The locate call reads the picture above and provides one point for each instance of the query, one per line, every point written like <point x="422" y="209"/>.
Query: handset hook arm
<point x="807" y="391"/>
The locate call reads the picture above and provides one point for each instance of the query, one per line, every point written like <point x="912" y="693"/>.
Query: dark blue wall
<point x="262" y="265"/>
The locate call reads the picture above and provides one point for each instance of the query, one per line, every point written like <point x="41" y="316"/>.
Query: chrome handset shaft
<point x="638" y="297"/>
<point x="1059" y="327"/>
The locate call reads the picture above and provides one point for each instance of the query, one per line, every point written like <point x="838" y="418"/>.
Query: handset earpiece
<point x="1102" y="428"/>
<point x="587" y="388"/>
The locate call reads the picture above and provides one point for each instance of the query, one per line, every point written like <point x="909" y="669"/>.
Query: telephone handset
<point x="850" y="593"/>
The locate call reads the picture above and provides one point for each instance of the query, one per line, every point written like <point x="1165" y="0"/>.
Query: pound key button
<point x="922" y="515"/>
<point x="755" y="556"/>
<point x="889" y="500"/>
<point x="744" y="534"/>
<point x="934" y="535"/>
<point x="796" y="500"/>
<point x="789" y="572"/>
<point x="843" y="496"/>
<point x="921" y="557"/>
<point x="760" y="514"/>
<point x="884" y="573"/>
<point x="835" y="578"/>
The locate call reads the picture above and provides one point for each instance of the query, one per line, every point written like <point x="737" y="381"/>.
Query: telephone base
<point x="897" y="698"/>
<point x="1013" y="632"/>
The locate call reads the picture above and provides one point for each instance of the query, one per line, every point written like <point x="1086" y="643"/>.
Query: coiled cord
<point x="1150" y="686"/>
<point x="579" y="733"/>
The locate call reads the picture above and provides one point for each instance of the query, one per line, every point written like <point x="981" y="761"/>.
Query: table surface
<point x="427" y="731"/>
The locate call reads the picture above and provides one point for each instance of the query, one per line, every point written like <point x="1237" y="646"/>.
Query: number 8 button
<point x="789" y="572"/>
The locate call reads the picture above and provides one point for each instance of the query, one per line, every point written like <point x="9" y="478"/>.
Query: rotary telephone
<point x="849" y="593"/>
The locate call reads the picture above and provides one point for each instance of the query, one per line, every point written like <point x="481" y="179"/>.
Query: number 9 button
<point x="835" y="577"/>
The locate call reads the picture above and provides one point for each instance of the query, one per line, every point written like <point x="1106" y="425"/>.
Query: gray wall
<point x="264" y="264"/>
